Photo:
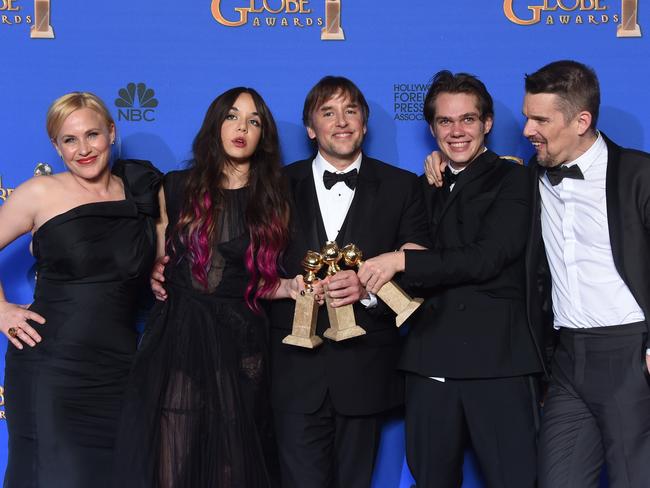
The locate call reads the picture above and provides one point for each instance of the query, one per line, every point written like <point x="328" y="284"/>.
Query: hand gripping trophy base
<point x="304" y="323"/>
<point x="390" y="293"/>
<point x="342" y="323"/>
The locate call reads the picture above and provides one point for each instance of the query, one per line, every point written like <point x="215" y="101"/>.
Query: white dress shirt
<point x="587" y="290"/>
<point x="335" y="203"/>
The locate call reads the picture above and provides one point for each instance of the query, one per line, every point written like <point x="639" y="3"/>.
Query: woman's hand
<point x="291" y="288"/>
<point x="13" y="324"/>
<point x="157" y="278"/>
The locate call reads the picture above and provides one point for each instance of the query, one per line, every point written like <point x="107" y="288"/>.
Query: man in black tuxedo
<point x="589" y="279"/>
<point x="328" y="401"/>
<point x="470" y="355"/>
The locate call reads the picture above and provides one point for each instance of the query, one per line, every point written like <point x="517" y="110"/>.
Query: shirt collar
<point x="321" y="165"/>
<point x="591" y="155"/>
<point x="459" y="170"/>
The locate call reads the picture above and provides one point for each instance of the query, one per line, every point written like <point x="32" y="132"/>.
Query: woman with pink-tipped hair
<point x="197" y="411"/>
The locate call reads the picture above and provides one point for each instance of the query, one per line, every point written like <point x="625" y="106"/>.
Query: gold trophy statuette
<point x="342" y="322"/>
<point x="303" y="331"/>
<point x="629" y="13"/>
<point x="41" y="28"/>
<point x="392" y="295"/>
<point x="332" y="30"/>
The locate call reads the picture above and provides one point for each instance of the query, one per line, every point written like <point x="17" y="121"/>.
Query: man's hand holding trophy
<point x="341" y="314"/>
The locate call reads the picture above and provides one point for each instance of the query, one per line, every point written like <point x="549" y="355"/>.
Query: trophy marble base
<point x="307" y="342"/>
<point x="622" y="31"/>
<point x="46" y="34"/>
<point x="304" y="323"/>
<point x="412" y="306"/>
<point x="399" y="302"/>
<point x="332" y="36"/>
<point x="342" y="323"/>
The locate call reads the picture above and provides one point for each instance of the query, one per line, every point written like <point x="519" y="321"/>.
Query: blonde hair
<point x="63" y="106"/>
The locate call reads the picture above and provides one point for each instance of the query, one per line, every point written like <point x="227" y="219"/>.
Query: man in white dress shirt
<point x="590" y="238"/>
<point x="328" y="401"/>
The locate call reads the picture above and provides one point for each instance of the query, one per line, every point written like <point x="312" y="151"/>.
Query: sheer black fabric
<point x="63" y="397"/>
<point x="197" y="411"/>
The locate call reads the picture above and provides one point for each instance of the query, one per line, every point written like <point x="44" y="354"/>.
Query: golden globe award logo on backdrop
<point x="567" y="12"/>
<point x="282" y="13"/>
<point x="42" y="29"/>
<point x="11" y="13"/>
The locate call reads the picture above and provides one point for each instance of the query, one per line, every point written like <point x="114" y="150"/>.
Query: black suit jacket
<point x="360" y="373"/>
<point x="627" y="190"/>
<point x="473" y="324"/>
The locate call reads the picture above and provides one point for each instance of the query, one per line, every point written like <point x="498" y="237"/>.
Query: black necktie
<point x="558" y="173"/>
<point x="349" y="178"/>
<point x="450" y="176"/>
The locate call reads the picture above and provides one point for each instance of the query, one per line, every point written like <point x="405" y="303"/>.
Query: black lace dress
<point x="197" y="411"/>
<point x="63" y="397"/>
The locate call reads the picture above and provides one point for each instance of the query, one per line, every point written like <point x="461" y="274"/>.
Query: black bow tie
<point x="349" y="178"/>
<point x="450" y="176"/>
<point x="558" y="173"/>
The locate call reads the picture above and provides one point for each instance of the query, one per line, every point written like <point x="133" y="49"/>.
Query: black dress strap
<point x="141" y="183"/>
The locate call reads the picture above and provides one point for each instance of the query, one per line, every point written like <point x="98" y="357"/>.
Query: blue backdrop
<point x="158" y="64"/>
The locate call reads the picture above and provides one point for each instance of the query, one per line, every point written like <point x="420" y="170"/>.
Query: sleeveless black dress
<point x="197" y="411"/>
<point x="63" y="397"/>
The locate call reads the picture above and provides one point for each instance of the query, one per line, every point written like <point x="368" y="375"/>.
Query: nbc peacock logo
<point x="136" y="103"/>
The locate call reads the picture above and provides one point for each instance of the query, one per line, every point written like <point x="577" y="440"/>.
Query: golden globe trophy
<point x="42" y="169"/>
<point x="391" y="294"/>
<point x="41" y="28"/>
<point x="342" y="322"/>
<point x="303" y="331"/>
<point x="332" y="30"/>
<point x="629" y="26"/>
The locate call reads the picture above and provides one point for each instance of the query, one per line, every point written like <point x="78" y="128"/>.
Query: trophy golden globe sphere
<point x="331" y="255"/>
<point x="352" y="255"/>
<point x="311" y="263"/>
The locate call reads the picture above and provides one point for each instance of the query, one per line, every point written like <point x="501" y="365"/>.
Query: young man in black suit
<point x="590" y="242"/>
<point x="328" y="401"/>
<point x="470" y="355"/>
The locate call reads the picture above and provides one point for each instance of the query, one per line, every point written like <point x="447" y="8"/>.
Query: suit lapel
<point x="307" y="210"/>
<point x="612" y="197"/>
<point x="482" y="164"/>
<point x="535" y="238"/>
<point x="358" y="225"/>
<point x="435" y="202"/>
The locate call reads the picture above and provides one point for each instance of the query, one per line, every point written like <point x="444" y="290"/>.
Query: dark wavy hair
<point x="447" y="82"/>
<point x="328" y="87"/>
<point x="575" y="84"/>
<point x="267" y="208"/>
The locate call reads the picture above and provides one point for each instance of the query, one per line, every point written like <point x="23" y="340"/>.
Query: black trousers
<point x="497" y="416"/>
<point x="597" y="408"/>
<point x="326" y="449"/>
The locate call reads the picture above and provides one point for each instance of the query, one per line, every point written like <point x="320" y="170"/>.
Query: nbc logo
<point x="136" y="103"/>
